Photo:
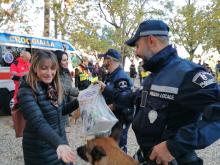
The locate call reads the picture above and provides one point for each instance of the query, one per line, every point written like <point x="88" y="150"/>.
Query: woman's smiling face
<point x="46" y="71"/>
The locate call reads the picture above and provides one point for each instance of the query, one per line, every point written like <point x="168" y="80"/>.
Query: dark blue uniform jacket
<point x="186" y="100"/>
<point x="120" y="81"/>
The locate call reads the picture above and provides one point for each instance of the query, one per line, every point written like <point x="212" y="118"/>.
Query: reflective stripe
<point x="83" y="77"/>
<point x="218" y="77"/>
<point x="154" y="32"/>
<point x="166" y="89"/>
<point x="144" y="74"/>
<point x="93" y="80"/>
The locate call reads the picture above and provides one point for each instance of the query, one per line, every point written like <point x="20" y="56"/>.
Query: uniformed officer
<point x="83" y="77"/>
<point x="178" y="109"/>
<point x="118" y="80"/>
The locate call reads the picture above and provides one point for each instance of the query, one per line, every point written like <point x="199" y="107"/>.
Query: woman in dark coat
<point x="66" y="80"/>
<point x="65" y="75"/>
<point x="40" y="98"/>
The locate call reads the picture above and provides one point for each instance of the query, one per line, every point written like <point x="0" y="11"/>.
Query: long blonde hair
<point x="36" y="62"/>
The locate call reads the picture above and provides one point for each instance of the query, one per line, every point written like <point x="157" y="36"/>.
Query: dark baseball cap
<point x="113" y="54"/>
<point x="149" y="27"/>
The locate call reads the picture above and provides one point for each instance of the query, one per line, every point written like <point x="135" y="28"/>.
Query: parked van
<point x="10" y="47"/>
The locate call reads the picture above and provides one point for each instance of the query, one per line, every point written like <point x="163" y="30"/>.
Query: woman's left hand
<point x="65" y="153"/>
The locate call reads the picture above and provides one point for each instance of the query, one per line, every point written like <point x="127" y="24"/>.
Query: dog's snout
<point x="81" y="151"/>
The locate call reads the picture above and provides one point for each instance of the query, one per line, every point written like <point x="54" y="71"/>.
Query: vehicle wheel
<point x="10" y="102"/>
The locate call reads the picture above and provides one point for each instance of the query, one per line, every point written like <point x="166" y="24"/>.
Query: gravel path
<point x="11" y="152"/>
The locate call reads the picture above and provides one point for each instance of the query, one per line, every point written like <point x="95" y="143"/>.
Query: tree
<point x="189" y="27"/>
<point x="15" y="17"/>
<point x="212" y="39"/>
<point x="46" y="18"/>
<point x="6" y="15"/>
<point x="62" y="16"/>
<point x="125" y="15"/>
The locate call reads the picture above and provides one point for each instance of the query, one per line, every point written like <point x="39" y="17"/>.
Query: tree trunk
<point x="46" y="18"/>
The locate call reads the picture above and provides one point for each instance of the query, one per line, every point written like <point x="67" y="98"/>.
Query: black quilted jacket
<point x="45" y="125"/>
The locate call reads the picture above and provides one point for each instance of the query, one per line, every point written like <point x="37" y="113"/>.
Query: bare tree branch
<point x="105" y="17"/>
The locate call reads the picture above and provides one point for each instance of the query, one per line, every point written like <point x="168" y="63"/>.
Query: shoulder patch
<point x="203" y="79"/>
<point x="123" y="84"/>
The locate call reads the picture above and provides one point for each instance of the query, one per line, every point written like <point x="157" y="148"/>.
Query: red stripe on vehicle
<point x="5" y="76"/>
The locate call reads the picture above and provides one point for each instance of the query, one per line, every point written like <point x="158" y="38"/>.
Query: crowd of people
<point x="176" y="112"/>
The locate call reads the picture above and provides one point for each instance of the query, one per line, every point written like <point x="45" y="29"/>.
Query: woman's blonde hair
<point x="36" y="63"/>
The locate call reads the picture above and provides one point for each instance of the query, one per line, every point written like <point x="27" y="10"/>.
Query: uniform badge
<point x="203" y="79"/>
<point x="152" y="116"/>
<point x="123" y="84"/>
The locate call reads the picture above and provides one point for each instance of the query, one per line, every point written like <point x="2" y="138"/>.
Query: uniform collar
<point x="160" y="59"/>
<point x="110" y="75"/>
<point x="115" y="71"/>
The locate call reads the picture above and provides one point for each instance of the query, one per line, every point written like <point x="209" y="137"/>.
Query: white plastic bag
<point x="97" y="117"/>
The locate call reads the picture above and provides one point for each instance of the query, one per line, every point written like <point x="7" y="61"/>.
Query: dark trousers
<point x="124" y="137"/>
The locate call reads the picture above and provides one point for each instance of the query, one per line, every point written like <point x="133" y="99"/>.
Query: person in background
<point x="217" y="71"/>
<point x="90" y="66"/>
<point x="142" y="73"/>
<point x="96" y="70"/>
<point x="178" y="109"/>
<point x="41" y="100"/>
<point x="140" y="68"/>
<point x="18" y="69"/>
<point x="84" y="74"/>
<point x="103" y="73"/>
<point x="66" y="80"/>
<point x="133" y="72"/>
<point x="117" y="79"/>
<point x="76" y="77"/>
<point x="200" y="62"/>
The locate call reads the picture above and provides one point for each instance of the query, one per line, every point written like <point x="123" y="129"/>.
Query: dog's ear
<point x="116" y="132"/>
<point x="81" y="151"/>
<point x="97" y="153"/>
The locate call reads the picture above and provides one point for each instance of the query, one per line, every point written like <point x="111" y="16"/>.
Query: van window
<point x="6" y="51"/>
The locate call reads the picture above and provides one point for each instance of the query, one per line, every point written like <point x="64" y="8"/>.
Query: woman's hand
<point x="65" y="153"/>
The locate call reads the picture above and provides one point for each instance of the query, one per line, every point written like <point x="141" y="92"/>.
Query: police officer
<point x="84" y="74"/>
<point x="178" y="109"/>
<point x="118" y="80"/>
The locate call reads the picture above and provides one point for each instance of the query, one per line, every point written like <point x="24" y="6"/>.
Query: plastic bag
<point x="97" y="117"/>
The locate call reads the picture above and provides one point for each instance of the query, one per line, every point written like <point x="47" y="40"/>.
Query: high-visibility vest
<point x="144" y="74"/>
<point x="83" y="73"/>
<point x="83" y="76"/>
<point x="218" y="77"/>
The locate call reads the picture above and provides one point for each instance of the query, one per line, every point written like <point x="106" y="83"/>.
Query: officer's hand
<point x="102" y="85"/>
<point x="112" y="107"/>
<point x="161" y="154"/>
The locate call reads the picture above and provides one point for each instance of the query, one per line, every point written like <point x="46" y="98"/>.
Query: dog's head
<point x="93" y="151"/>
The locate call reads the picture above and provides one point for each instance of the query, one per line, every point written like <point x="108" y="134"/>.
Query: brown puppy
<point x="105" y="151"/>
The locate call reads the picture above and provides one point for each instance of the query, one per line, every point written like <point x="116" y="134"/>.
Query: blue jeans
<point x="124" y="137"/>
